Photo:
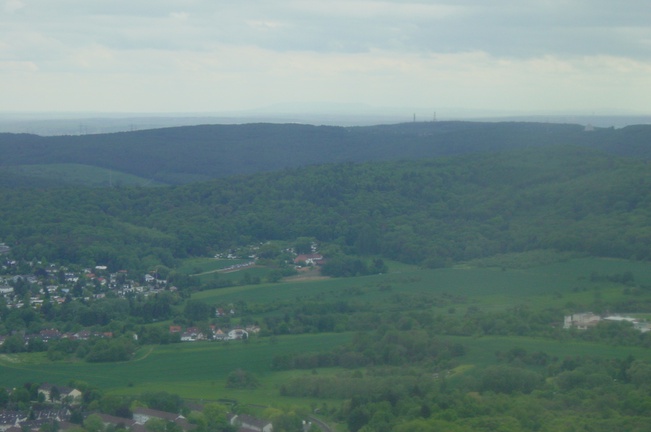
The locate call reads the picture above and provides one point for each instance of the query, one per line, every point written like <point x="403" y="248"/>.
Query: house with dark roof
<point x="10" y="418"/>
<point x="119" y="422"/>
<point x="37" y="419"/>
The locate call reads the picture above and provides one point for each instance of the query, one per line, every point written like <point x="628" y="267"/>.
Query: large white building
<point x="581" y="320"/>
<point x="585" y="320"/>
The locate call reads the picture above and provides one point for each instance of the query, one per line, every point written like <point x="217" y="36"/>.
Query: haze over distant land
<point x="505" y="57"/>
<point x="345" y="115"/>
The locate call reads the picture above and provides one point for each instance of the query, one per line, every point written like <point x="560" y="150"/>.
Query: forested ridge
<point x="431" y="212"/>
<point x="191" y="153"/>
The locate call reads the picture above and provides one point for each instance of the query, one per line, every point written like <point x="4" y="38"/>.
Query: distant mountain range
<point x="186" y="154"/>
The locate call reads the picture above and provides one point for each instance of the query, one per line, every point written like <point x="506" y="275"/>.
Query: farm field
<point x="192" y="370"/>
<point x="489" y="288"/>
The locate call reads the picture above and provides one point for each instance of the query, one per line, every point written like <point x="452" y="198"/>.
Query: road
<point x="321" y="424"/>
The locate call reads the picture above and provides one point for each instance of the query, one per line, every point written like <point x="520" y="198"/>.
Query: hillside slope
<point x="186" y="154"/>
<point x="432" y="212"/>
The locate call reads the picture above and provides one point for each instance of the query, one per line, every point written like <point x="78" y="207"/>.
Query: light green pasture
<point x="192" y="370"/>
<point x="488" y="288"/>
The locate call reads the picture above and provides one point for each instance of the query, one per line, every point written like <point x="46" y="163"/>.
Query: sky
<point x="218" y="56"/>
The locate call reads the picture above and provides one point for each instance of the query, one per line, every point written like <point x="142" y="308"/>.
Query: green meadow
<point x="490" y="288"/>
<point x="192" y="370"/>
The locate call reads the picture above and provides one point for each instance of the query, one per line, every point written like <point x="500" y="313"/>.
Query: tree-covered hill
<point x="432" y="212"/>
<point x="186" y="154"/>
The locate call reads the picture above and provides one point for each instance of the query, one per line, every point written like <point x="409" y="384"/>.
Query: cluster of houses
<point x="194" y="334"/>
<point x="585" y="320"/>
<point x="18" y="421"/>
<point x="53" y="334"/>
<point x="42" y="414"/>
<point x="96" y="283"/>
<point x="36" y="420"/>
<point x="190" y="334"/>
<point x="57" y="402"/>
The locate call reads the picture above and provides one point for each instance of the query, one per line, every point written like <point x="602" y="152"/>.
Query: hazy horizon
<point x="94" y="123"/>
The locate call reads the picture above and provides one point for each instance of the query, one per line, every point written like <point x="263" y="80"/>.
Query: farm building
<point x="581" y="320"/>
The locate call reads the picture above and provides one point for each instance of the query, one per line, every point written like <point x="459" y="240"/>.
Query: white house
<point x="71" y="395"/>
<point x="142" y="415"/>
<point x="238" y="334"/>
<point x="583" y="321"/>
<point x="251" y="423"/>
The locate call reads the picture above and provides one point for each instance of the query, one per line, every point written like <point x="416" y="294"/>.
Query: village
<point x="58" y="284"/>
<point x="48" y="284"/>
<point x="28" y="290"/>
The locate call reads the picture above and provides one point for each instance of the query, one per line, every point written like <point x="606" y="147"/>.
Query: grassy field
<point x="489" y="288"/>
<point x="192" y="370"/>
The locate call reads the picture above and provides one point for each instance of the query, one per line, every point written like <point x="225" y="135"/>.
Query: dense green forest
<point x="188" y="154"/>
<point x="430" y="212"/>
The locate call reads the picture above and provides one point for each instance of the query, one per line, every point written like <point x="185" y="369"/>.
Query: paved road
<point x="321" y="424"/>
<point x="315" y="421"/>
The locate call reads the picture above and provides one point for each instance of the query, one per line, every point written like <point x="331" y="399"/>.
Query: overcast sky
<point x="581" y="56"/>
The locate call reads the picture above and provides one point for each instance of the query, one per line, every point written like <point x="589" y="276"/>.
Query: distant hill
<point x="192" y="153"/>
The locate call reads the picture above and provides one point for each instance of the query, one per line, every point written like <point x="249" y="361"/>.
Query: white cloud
<point x="369" y="9"/>
<point x="213" y="55"/>
<point x="183" y="16"/>
<point x="17" y="66"/>
<point x="13" y="5"/>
